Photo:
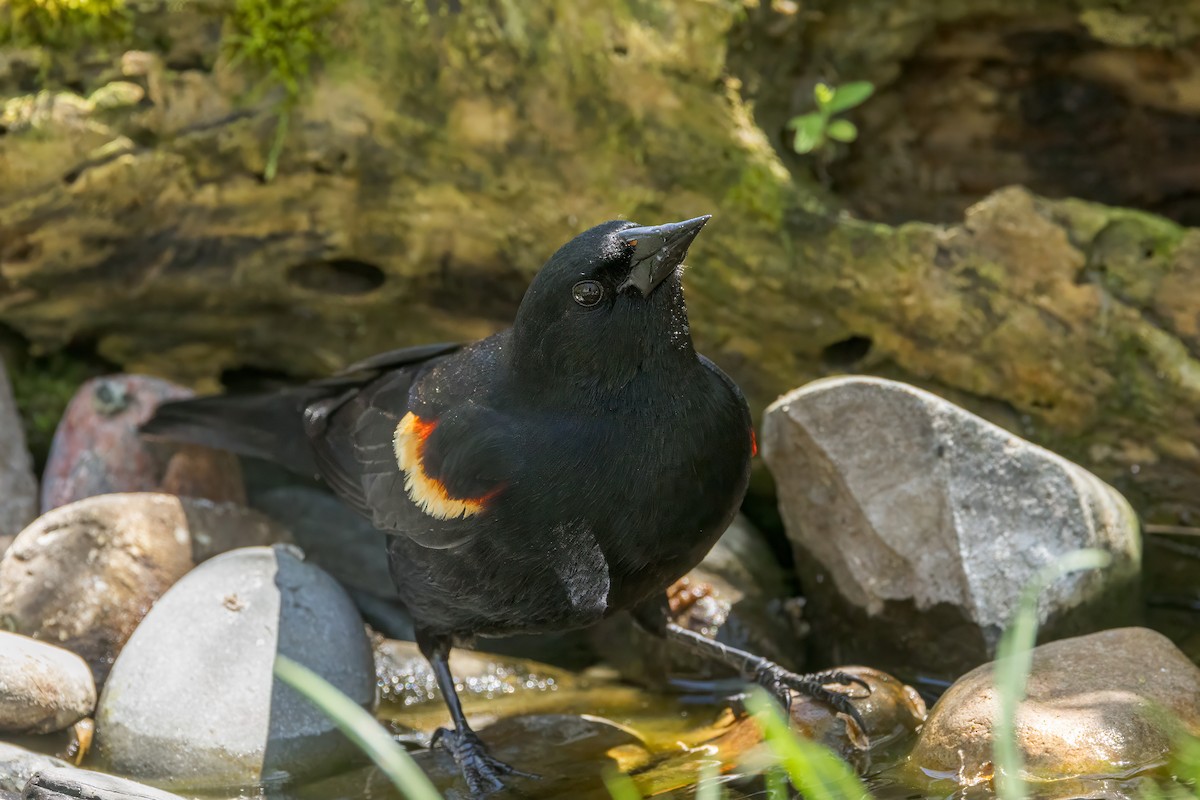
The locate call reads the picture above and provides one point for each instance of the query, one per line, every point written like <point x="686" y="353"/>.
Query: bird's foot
<point x="781" y="683"/>
<point x="483" y="773"/>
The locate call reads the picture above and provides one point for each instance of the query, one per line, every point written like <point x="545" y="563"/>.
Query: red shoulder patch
<point x="753" y="444"/>
<point x="427" y="493"/>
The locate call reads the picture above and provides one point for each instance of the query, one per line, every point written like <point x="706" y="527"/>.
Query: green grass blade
<point x="777" y="788"/>
<point x="709" y="787"/>
<point x="813" y="769"/>
<point x="360" y="727"/>
<point x="620" y="786"/>
<point x="1014" y="655"/>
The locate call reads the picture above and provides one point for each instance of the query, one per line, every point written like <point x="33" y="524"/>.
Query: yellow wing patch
<point x="429" y="494"/>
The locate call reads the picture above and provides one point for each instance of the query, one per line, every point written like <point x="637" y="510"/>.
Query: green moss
<point x="62" y="24"/>
<point x="760" y="191"/>
<point x="42" y="388"/>
<point x="280" y="41"/>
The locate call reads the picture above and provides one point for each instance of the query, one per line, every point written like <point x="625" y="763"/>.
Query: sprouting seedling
<point x="816" y="128"/>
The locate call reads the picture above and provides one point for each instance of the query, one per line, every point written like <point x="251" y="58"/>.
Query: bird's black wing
<point x="428" y="469"/>
<point x="329" y="421"/>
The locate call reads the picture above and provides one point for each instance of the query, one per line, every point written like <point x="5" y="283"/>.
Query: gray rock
<point x="915" y="521"/>
<point x="18" y="487"/>
<point x="18" y="765"/>
<point x="82" y="784"/>
<point x="192" y="702"/>
<point x="83" y="575"/>
<point x="346" y="545"/>
<point x="1107" y="705"/>
<point x="43" y="688"/>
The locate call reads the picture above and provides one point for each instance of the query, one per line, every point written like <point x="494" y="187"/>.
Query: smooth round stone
<point x="82" y="576"/>
<point x="43" y="688"/>
<point x="192" y="702"/>
<point x="97" y="448"/>
<point x="1097" y="706"/>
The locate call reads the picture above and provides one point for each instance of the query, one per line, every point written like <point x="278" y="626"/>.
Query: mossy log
<point x="438" y="157"/>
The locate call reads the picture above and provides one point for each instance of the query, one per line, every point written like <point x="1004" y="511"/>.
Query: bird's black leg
<point x="481" y="771"/>
<point x="756" y="669"/>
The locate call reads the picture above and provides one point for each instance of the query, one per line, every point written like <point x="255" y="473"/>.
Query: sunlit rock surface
<point x="43" y="688"/>
<point x="916" y="524"/>
<point x="192" y="701"/>
<point x="83" y="575"/>
<point x="1106" y="705"/>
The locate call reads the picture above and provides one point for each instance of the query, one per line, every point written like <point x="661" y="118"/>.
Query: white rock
<point x="192" y="702"/>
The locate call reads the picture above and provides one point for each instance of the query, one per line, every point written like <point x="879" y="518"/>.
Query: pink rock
<point x="97" y="449"/>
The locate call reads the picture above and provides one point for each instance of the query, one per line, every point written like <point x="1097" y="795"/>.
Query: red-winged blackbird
<point x="567" y="468"/>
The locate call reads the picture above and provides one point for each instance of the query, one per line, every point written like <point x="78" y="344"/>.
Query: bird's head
<point x="608" y="305"/>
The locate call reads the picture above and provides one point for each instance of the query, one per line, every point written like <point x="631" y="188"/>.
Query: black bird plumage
<point x="567" y="468"/>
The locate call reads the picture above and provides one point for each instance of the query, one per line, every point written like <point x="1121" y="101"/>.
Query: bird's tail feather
<point x="268" y="425"/>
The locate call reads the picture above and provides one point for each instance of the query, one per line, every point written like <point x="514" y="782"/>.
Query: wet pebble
<point x="97" y="448"/>
<point x="1098" y="706"/>
<point x="43" y="688"/>
<point x="192" y="702"/>
<point x="84" y="575"/>
<point x="919" y="522"/>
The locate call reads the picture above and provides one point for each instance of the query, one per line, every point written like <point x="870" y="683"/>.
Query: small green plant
<point x="814" y="130"/>
<point x="280" y="41"/>
<point x="42" y="388"/>
<point x="62" y="23"/>
<point x="360" y="727"/>
<point x="1014" y="656"/>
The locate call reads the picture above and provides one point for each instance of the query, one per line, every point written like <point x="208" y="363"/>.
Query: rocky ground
<point x="147" y="589"/>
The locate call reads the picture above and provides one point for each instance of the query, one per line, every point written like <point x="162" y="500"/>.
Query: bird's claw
<point x="781" y="683"/>
<point x="482" y="772"/>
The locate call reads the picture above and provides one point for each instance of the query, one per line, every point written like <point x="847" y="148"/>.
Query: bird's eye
<point x="588" y="293"/>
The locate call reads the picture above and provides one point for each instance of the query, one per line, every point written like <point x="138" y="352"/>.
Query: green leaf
<point x="823" y="93"/>
<point x="814" y="769"/>
<point x="360" y="727"/>
<point x="850" y="95"/>
<point x="1014" y="656"/>
<point x="842" y="130"/>
<point x="810" y="132"/>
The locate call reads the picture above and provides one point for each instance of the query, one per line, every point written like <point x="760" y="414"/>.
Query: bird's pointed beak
<point x="657" y="251"/>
